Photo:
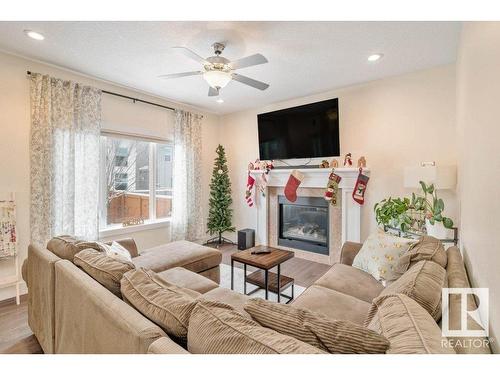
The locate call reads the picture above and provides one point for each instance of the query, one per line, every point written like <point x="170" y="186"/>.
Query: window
<point x="136" y="182"/>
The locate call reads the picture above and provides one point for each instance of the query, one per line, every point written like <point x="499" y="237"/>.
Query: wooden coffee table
<point x="263" y="278"/>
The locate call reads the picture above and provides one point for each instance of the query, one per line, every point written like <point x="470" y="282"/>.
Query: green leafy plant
<point x="403" y="213"/>
<point x="394" y="212"/>
<point x="432" y="207"/>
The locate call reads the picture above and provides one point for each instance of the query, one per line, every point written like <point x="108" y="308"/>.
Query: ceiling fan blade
<point x="252" y="60"/>
<point x="191" y="54"/>
<point x="212" y="91"/>
<point x="178" y="75"/>
<point x="250" y="81"/>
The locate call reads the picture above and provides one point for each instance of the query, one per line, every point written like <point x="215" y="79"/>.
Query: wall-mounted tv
<point x="307" y="131"/>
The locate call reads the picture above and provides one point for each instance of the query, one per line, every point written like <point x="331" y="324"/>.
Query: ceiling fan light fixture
<point x="217" y="78"/>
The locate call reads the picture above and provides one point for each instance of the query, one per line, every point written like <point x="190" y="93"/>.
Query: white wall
<point x="14" y="144"/>
<point x="478" y="83"/>
<point x="394" y="122"/>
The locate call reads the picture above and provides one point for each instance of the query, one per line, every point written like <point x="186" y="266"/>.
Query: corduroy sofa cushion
<point x="426" y="248"/>
<point x="334" y="336"/>
<point x="167" y="305"/>
<point x="408" y="327"/>
<point x="104" y="269"/>
<point x="65" y="247"/>
<point x="423" y="283"/>
<point x="216" y="328"/>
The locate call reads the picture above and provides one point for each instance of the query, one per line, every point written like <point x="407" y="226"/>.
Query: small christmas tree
<point x="220" y="212"/>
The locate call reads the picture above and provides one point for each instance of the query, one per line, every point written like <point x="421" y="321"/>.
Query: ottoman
<point x="187" y="279"/>
<point x="189" y="255"/>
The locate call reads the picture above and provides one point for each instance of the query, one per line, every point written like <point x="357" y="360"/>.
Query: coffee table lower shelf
<point x="258" y="278"/>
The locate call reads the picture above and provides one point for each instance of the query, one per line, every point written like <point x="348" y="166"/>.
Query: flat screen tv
<point x="307" y="131"/>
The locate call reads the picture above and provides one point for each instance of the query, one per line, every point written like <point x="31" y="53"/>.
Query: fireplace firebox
<point x="303" y="224"/>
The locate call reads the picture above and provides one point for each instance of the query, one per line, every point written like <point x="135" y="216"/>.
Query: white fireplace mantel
<point x="313" y="178"/>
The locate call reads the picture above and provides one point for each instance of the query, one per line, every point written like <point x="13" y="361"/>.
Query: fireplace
<point x="304" y="224"/>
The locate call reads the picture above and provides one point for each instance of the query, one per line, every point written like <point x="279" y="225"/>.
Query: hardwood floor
<point x="16" y="336"/>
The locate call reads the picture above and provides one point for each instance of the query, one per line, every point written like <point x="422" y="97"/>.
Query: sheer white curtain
<point x="187" y="221"/>
<point x="65" y="130"/>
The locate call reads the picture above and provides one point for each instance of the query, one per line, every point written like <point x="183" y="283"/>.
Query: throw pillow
<point x="423" y="283"/>
<point x="106" y="270"/>
<point x="113" y="250"/>
<point x="217" y="328"/>
<point x="334" y="336"/>
<point x="167" y="305"/>
<point x="65" y="247"/>
<point x="380" y="253"/>
<point x="426" y="248"/>
<point x="407" y="326"/>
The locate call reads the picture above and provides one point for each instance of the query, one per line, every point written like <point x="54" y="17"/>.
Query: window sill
<point x="119" y="230"/>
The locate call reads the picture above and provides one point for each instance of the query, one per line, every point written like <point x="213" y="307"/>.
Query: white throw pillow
<point x="118" y="252"/>
<point x="380" y="253"/>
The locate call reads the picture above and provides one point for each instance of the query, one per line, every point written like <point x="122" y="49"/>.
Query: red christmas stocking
<point x="248" y="192"/>
<point x="358" y="193"/>
<point x="293" y="183"/>
<point x="332" y="188"/>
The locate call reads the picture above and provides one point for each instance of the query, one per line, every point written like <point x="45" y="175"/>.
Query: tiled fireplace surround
<point x="344" y="219"/>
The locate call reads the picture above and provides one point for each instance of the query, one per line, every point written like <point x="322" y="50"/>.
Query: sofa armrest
<point x="39" y="274"/>
<point x="349" y="251"/>
<point x="165" y="345"/>
<point x="129" y="244"/>
<point x="92" y="320"/>
<point x="24" y="272"/>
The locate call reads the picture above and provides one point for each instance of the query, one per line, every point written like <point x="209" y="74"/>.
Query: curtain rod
<point x="129" y="97"/>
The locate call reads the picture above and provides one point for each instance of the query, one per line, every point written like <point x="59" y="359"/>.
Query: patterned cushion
<point x="407" y="326"/>
<point x="423" y="283"/>
<point x="334" y="336"/>
<point x="426" y="248"/>
<point x="102" y="268"/>
<point x="380" y="253"/>
<point x="216" y="328"/>
<point x="167" y="305"/>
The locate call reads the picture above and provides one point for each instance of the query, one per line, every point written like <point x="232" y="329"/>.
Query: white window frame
<point x="152" y="222"/>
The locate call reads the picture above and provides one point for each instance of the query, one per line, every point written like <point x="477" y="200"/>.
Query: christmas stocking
<point x="249" y="191"/>
<point x="293" y="183"/>
<point x="358" y="193"/>
<point x="332" y="188"/>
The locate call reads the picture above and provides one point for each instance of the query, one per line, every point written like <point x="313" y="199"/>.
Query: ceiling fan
<point x="219" y="71"/>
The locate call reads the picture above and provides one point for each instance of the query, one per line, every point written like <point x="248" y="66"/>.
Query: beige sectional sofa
<point x="70" y="312"/>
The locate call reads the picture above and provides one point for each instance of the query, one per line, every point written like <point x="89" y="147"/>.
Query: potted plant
<point x="394" y="212"/>
<point x="436" y="224"/>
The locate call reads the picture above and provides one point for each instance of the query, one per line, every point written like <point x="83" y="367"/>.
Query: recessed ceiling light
<point x="375" y="57"/>
<point x="34" y="35"/>
<point x="220" y="101"/>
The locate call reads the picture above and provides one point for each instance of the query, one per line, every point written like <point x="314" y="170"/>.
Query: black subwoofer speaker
<point x="246" y="239"/>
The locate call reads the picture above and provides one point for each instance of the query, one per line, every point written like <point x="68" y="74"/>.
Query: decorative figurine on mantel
<point x="348" y="160"/>
<point x="324" y="164"/>
<point x="334" y="163"/>
<point x="362" y="162"/>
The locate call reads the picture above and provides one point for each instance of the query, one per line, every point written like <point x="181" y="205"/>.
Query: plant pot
<point x="437" y="230"/>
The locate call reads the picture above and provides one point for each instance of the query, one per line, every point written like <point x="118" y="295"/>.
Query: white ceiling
<point x="304" y="57"/>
